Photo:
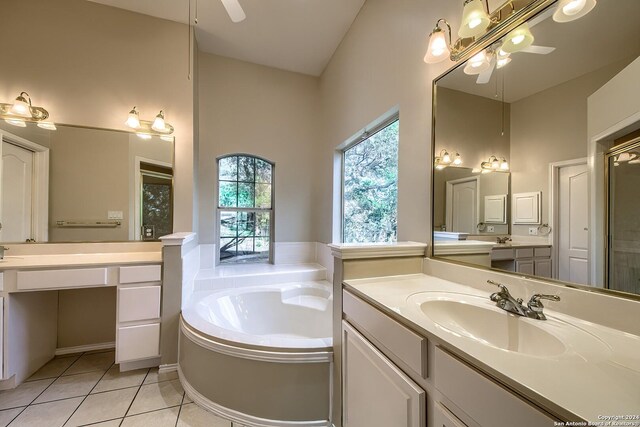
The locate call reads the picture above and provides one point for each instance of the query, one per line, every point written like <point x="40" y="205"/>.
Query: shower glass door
<point x="623" y="257"/>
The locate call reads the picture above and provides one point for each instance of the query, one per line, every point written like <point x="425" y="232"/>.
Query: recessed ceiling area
<point x="294" y="35"/>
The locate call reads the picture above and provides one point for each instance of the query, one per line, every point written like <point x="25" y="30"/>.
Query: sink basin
<point x="493" y="327"/>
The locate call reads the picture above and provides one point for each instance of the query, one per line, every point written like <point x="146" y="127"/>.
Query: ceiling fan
<point x="484" y="63"/>
<point x="234" y="9"/>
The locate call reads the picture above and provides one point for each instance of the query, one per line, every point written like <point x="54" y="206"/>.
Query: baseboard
<point x="82" y="348"/>
<point x="139" y="364"/>
<point x="168" y="368"/>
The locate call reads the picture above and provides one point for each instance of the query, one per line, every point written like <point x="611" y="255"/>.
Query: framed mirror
<point x="78" y="184"/>
<point x="557" y="123"/>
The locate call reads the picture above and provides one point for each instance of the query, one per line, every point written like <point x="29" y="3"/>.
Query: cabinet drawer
<point x="406" y="345"/>
<point x="524" y="253"/>
<point x="542" y="252"/>
<point x="500" y="254"/>
<point x="140" y="273"/>
<point x="138" y="303"/>
<point x="138" y="342"/>
<point x="482" y="399"/>
<point x="51" y="279"/>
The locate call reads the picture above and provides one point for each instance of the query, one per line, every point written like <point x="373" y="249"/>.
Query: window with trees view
<point x="245" y="209"/>
<point x="370" y="187"/>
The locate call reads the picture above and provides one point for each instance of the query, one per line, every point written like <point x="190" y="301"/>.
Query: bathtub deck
<point x="229" y="276"/>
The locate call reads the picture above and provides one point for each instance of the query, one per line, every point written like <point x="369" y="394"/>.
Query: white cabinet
<point x="542" y="267"/>
<point x="375" y="392"/>
<point x="138" y="313"/>
<point x="524" y="266"/>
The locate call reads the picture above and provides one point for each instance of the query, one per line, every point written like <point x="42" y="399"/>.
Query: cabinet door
<point x="524" y="266"/>
<point x="542" y="267"/>
<point x="443" y="418"/>
<point x="375" y="392"/>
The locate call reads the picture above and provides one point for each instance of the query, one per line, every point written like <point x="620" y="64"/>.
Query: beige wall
<point x="86" y="316"/>
<point x="88" y="64"/>
<point x="379" y="66"/>
<point x="249" y="108"/>
<point x="551" y="126"/>
<point x="462" y="120"/>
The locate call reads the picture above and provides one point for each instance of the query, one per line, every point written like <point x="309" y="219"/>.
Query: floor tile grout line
<point x="180" y="409"/>
<point x="45" y="389"/>
<point x="136" y="395"/>
<point x="87" y="395"/>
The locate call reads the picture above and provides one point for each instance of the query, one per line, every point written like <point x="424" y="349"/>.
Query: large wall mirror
<point x="537" y="153"/>
<point x="78" y="184"/>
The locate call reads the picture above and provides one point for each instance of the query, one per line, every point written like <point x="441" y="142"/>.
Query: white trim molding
<point x="82" y="348"/>
<point x="377" y="250"/>
<point x="254" y="354"/>
<point x="240" y="417"/>
<point x="178" y="239"/>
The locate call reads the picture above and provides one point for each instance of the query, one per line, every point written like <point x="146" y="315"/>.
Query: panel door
<point x="375" y="392"/>
<point x="465" y="206"/>
<point x="573" y="242"/>
<point x="16" y="193"/>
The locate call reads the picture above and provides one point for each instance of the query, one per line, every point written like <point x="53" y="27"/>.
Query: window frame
<point x="270" y="210"/>
<point x="359" y="139"/>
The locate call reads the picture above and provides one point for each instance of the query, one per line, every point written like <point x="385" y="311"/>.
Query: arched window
<point x="245" y="209"/>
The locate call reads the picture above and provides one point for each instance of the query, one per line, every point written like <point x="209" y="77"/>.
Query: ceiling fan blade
<point x="234" y="10"/>
<point x="540" y="50"/>
<point x="485" y="76"/>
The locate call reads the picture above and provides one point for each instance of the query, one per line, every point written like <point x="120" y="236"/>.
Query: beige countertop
<point x="23" y="262"/>
<point x="585" y="382"/>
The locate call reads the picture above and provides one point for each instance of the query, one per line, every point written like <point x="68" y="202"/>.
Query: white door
<point x="375" y="392"/>
<point x="16" y="208"/>
<point x="573" y="226"/>
<point x="464" y="207"/>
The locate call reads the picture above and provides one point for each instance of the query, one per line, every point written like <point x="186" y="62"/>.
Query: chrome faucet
<point x="503" y="240"/>
<point x="507" y="302"/>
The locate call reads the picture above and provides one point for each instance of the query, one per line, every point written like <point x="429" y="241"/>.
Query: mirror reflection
<point x="81" y="184"/>
<point x="551" y="121"/>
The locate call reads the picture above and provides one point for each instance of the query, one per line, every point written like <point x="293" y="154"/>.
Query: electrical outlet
<point x="490" y="228"/>
<point x="533" y="231"/>
<point x="115" y="215"/>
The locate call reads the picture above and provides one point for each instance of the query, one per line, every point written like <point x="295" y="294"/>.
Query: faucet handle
<point x="535" y="299"/>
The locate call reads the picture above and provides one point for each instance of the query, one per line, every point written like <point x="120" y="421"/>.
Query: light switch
<point x="115" y="215"/>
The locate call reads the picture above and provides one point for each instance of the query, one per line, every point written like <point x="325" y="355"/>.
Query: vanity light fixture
<point x="502" y="58"/>
<point x="494" y="164"/>
<point x="479" y="63"/>
<point x="631" y="157"/>
<point x="22" y="111"/>
<point x="570" y="10"/>
<point x="145" y="127"/>
<point x="438" y="49"/>
<point x="475" y="20"/>
<point x="445" y="159"/>
<point x="144" y="136"/>
<point x="518" y="39"/>
<point x="47" y="125"/>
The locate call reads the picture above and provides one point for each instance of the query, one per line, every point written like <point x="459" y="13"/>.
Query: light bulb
<point x="16" y="122"/>
<point x="446" y="158"/>
<point x="504" y="165"/>
<point x="501" y="62"/>
<point x="438" y="49"/>
<point x="440" y="167"/>
<point x="457" y="160"/>
<point x="143" y="135"/>
<point x="518" y="39"/>
<point x="133" y="121"/>
<point x="21" y="107"/>
<point x="158" y="123"/>
<point x="475" y="19"/>
<point x="495" y="164"/>
<point x="47" y="125"/>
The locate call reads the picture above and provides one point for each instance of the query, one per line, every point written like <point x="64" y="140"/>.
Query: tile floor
<point x="88" y="389"/>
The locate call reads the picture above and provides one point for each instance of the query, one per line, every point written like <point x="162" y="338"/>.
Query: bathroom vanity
<point x="29" y="286"/>
<point x="430" y="352"/>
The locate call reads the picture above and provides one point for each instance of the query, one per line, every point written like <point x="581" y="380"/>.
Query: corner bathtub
<point x="260" y="355"/>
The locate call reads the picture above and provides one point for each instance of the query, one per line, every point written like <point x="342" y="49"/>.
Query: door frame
<point x="554" y="210"/>
<point x="40" y="193"/>
<point x="448" y="221"/>
<point x="135" y="231"/>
